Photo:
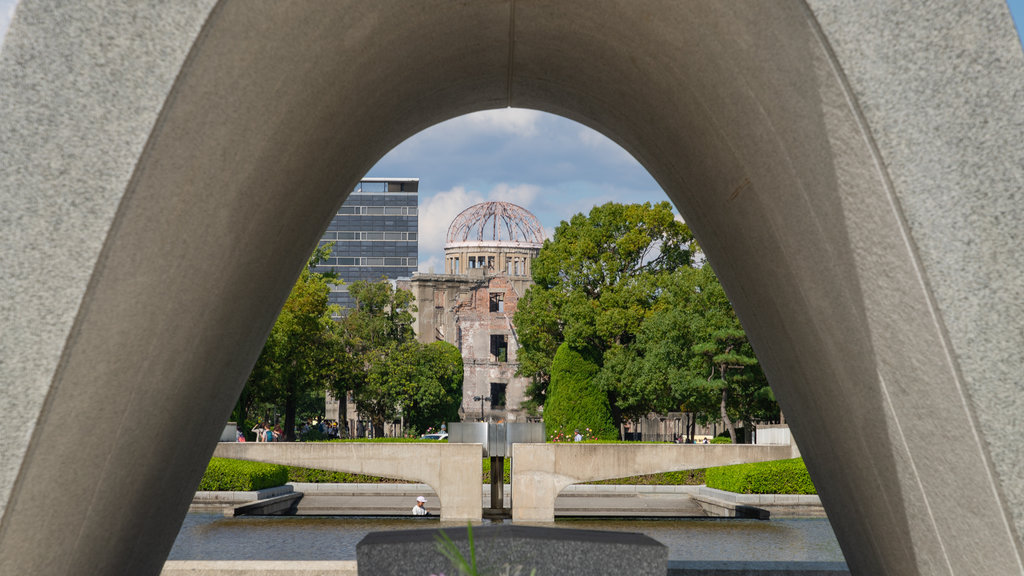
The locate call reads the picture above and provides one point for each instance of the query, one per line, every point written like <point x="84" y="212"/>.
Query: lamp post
<point x="482" y="399"/>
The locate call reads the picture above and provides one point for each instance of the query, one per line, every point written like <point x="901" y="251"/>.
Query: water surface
<point x="215" y="537"/>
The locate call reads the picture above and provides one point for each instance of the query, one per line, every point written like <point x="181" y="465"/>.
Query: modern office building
<point x="375" y="234"/>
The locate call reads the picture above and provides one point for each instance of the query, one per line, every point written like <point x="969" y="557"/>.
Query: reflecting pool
<point x="215" y="537"/>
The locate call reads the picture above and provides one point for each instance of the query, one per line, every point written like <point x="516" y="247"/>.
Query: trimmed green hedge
<point x="240" y="475"/>
<point x="297" y="474"/>
<point x="778" y="477"/>
<point x="679" y="478"/>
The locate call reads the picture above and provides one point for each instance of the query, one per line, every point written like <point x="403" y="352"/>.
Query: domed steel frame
<point x="496" y="222"/>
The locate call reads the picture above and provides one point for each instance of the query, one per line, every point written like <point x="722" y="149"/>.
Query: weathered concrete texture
<point x="456" y="308"/>
<point x="504" y="548"/>
<point x="276" y="500"/>
<point x="451" y="470"/>
<point x="943" y="93"/>
<point x="259" y="568"/>
<point x="541" y="471"/>
<point x="349" y="568"/>
<point x="853" y="173"/>
<point x="725" y="568"/>
<point x="76" y="109"/>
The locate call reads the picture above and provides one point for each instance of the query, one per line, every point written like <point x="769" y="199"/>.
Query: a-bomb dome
<point x="492" y="223"/>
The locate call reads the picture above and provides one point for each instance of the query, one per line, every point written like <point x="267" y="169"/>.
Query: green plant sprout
<point x="468" y="567"/>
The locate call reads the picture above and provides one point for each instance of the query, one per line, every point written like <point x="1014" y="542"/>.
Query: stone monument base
<point x="498" y="549"/>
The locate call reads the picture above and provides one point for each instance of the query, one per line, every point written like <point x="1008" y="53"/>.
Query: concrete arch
<point x="452" y="471"/>
<point x="541" y="471"/>
<point x="853" y="172"/>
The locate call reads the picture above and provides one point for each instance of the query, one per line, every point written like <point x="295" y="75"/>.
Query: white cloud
<point x="432" y="265"/>
<point x="592" y="138"/>
<point x="514" y="121"/>
<point x="435" y="214"/>
<point x="522" y="195"/>
<point x="606" y="148"/>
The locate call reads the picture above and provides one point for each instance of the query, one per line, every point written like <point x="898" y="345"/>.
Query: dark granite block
<point x="504" y="549"/>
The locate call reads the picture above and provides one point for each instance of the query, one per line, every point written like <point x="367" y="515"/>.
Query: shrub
<point x="721" y="440"/>
<point x="298" y="474"/>
<point x="506" y="475"/>
<point x="778" y="477"/>
<point x="313" y="435"/>
<point x="573" y="401"/>
<point x="678" y="478"/>
<point x="240" y="475"/>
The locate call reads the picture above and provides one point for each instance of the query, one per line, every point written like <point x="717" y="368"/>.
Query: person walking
<point x="420" y="509"/>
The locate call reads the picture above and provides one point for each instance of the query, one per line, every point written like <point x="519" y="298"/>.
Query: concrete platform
<point x="582" y="500"/>
<point x="350" y="568"/>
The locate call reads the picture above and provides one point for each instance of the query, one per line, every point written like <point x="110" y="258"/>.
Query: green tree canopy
<point x="379" y="329"/>
<point x="574" y="403"/>
<point x="594" y="284"/>
<point x="395" y="374"/>
<point x="438" y="392"/>
<point x="624" y="283"/>
<point x="693" y="351"/>
<point x="300" y="355"/>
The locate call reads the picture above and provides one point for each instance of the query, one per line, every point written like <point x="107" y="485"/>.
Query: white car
<point x="435" y="436"/>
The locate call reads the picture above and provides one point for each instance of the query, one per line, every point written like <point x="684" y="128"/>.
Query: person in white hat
<point x="420" y="509"/>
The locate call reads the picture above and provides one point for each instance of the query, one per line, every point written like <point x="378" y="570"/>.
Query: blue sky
<point x="550" y="165"/>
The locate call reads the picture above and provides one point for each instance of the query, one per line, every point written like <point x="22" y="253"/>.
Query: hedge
<point x="240" y="475"/>
<point x="678" y="478"/>
<point x="298" y="474"/>
<point x="778" y="477"/>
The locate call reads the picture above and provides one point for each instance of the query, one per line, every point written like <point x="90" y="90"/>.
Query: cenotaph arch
<point x="854" y="172"/>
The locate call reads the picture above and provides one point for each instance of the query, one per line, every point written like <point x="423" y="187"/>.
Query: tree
<point x="725" y="352"/>
<point x="574" y="403"/>
<point x="622" y="282"/>
<point x="594" y="284"/>
<point x="695" y="344"/>
<point x="437" y="394"/>
<point x="301" y="352"/>
<point x="394" y="374"/>
<point x="390" y="369"/>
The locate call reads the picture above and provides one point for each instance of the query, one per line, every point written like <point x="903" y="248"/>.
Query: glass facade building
<point x="375" y="234"/>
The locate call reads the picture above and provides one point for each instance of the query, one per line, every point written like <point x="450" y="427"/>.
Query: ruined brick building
<point x="488" y="253"/>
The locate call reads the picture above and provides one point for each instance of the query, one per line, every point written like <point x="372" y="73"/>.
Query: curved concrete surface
<point x="853" y="171"/>
<point x="451" y="470"/>
<point x="541" y="471"/>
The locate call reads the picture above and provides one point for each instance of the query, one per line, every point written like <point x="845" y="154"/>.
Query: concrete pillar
<point x="541" y="471"/>
<point x="452" y="470"/>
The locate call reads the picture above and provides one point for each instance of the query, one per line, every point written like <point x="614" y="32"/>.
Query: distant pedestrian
<point x="578" y="437"/>
<point x="420" y="509"/>
<point x="259" y="429"/>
